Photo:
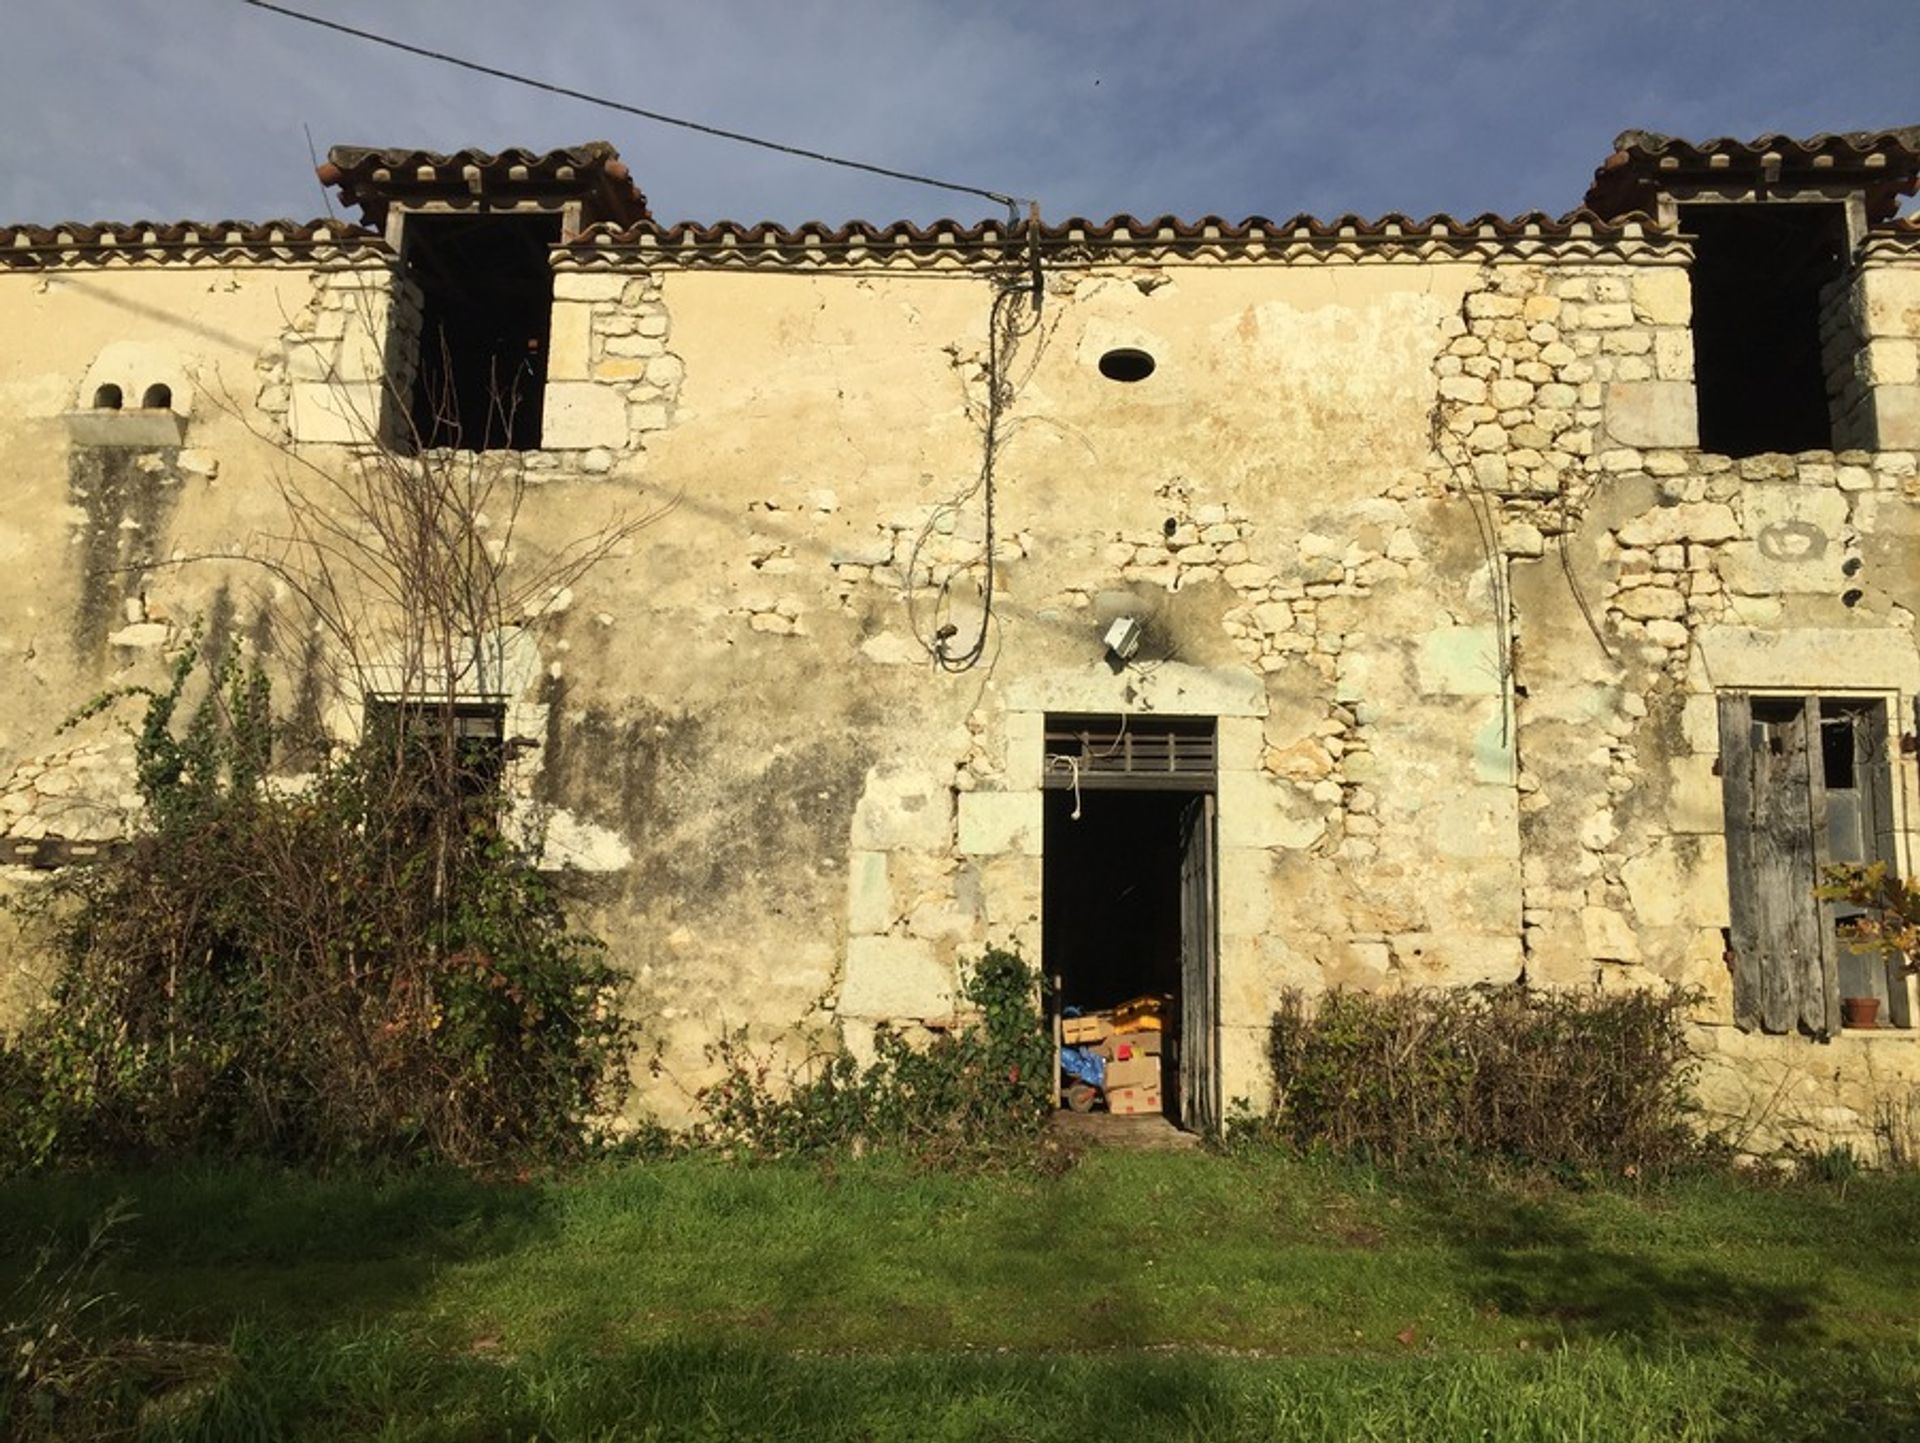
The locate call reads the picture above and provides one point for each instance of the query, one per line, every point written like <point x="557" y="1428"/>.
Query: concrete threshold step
<point x="1145" y="1134"/>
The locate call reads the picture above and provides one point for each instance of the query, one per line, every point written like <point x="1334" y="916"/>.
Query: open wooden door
<point x="1199" y="970"/>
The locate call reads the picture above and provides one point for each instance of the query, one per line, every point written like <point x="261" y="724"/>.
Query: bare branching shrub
<point x="1566" y="1079"/>
<point x="365" y="960"/>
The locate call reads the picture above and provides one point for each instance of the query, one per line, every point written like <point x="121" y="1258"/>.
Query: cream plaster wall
<point x="1452" y="751"/>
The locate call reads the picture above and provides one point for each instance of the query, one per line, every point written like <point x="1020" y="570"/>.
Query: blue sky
<point x="194" y="109"/>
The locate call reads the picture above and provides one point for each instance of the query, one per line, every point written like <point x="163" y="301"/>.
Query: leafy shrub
<point x="982" y="1090"/>
<point x="363" y="966"/>
<point x="1568" y="1079"/>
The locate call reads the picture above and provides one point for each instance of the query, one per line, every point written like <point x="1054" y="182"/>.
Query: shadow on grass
<point x="1540" y="1260"/>
<point x="1828" y="1395"/>
<point x="204" y="1248"/>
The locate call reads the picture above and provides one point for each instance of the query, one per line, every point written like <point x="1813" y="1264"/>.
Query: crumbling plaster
<point x="1432" y="537"/>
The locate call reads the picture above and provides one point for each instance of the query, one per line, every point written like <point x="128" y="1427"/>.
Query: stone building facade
<point x="1218" y="607"/>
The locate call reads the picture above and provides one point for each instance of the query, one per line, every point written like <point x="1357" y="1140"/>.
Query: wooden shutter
<point x="1874" y="769"/>
<point x="1199" y="1059"/>
<point x="1775" y="813"/>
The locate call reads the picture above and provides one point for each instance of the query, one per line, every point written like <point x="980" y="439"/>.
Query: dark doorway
<point x="1760" y="273"/>
<point x="486" y="313"/>
<point x="1128" y="896"/>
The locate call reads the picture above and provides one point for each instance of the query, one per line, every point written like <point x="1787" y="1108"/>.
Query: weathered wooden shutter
<point x="1775" y="813"/>
<point x="1875" y="766"/>
<point x="1199" y="970"/>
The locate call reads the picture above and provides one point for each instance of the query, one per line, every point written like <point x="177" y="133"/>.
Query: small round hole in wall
<point x="107" y="398"/>
<point x="1126" y="364"/>
<point x="1852" y="596"/>
<point x="158" y="397"/>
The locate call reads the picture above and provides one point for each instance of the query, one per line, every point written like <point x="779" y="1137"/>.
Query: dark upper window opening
<point x="107" y="398"/>
<point x="158" y="397"/>
<point x="1759" y="276"/>
<point x="486" y="311"/>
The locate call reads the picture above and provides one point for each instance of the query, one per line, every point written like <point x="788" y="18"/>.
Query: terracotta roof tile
<point x="32" y="245"/>
<point x="1118" y="230"/>
<point x="372" y="178"/>
<point x="1884" y="164"/>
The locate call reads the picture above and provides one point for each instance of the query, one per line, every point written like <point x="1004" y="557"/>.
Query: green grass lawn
<point x="1148" y="1295"/>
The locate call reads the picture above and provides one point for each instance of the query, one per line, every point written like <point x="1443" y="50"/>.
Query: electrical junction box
<point x="1123" y="637"/>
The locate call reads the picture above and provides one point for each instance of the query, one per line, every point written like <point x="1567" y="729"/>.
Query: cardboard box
<point x="1133" y="1044"/>
<point x="1133" y="1100"/>
<point x="1139" y="1070"/>
<point x="1080" y="1031"/>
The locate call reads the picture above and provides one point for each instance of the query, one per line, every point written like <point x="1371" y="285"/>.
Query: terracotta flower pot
<point x="1860" y="1012"/>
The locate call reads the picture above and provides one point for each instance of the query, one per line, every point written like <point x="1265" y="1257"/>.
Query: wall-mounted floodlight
<point x="1123" y="638"/>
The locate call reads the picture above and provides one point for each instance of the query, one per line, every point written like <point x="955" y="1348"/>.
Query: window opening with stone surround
<point x="1764" y="278"/>
<point x="1807" y="782"/>
<point x="453" y="753"/>
<point x="486" y="311"/>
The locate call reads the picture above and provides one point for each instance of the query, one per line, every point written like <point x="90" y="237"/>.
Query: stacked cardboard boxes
<point x="1130" y="1040"/>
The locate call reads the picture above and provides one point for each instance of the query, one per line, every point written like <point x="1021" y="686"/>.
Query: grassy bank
<point x="1202" y="1296"/>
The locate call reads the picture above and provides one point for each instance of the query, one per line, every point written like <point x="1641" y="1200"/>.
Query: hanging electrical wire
<point x="1012" y="202"/>
<point x="1013" y="316"/>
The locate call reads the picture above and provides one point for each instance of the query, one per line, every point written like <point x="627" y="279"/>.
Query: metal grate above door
<point x="1139" y="752"/>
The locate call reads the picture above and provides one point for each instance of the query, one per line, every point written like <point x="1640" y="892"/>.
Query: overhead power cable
<point x="998" y="197"/>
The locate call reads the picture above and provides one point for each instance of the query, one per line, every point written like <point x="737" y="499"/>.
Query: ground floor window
<point x="1807" y="782"/>
<point x="449" y="754"/>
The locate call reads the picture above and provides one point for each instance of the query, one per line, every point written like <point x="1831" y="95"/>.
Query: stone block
<point x="1026" y="737"/>
<point x="580" y="415"/>
<point x="1457" y="959"/>
<point x="1694" y="797"/>
<point x="1010" y="897"/>
<point x="589" y="285"/>
<point x="1673" y="355"/>
<point x="870" y="902"/>
<point x="1473" y="823"/>
<point x="1650" y="414"/>
<point x="1245" y="891"/>
<point x="1896" y="415"/>
<point x="1698" y="521"/>
<point x="1241" y="741"/>
<point x="1663" y="297"/>
<point x="570" y="342"/>
<point x="1175" y="687"/>
<point x="1889" y="300"/>
<point x="1459" y="661"/>
<point x="1609" y="935"/>
<point x="889" y="978"/>
<point x="1892" y="362"/>
<point x="1793" y="541"/>
<point x="339" y="414"/>
<point x="1801" y="659"/>
<point x="992" y="823"/>
<point x="1700" y="723"/>
<point x="1255" y="812"/>
<point x="903" y="810"/>
<point x="1679" y="882"/>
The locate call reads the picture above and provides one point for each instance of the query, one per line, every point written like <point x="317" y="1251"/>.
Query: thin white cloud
<point x="195" y="107"/>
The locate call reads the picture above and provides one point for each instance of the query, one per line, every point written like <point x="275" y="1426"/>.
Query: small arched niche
<point x="135" y="394"/>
